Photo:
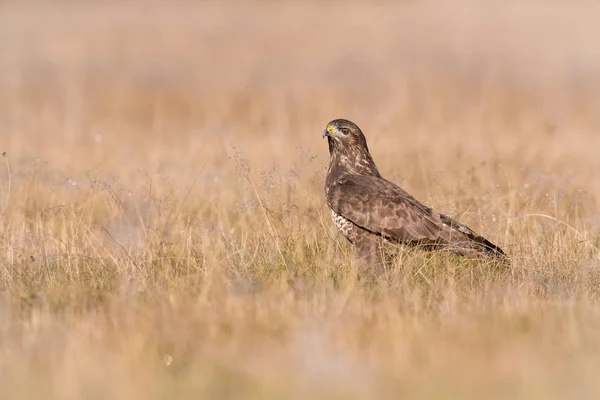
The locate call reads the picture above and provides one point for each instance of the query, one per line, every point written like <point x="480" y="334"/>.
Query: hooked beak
<point x="329" y="131"/>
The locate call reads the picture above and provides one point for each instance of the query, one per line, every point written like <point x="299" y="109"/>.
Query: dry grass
<point x="163" y="231"/>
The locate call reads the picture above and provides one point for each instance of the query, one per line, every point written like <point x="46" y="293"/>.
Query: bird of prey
<point x="368" y="209"/>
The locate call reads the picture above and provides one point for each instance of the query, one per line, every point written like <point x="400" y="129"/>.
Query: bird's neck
<point x="354" y="163"/>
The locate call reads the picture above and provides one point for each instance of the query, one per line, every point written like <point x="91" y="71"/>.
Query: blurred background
<point x="106" y="78"/>
<point x="162" y="198"/>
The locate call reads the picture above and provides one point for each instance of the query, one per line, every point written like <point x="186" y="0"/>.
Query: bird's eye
<point x="345" y="131"/>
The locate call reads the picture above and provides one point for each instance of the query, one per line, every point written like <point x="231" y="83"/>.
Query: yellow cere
<point x="329" y="128"/>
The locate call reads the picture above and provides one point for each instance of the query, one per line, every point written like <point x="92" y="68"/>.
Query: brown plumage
<point x="367" y="208"/>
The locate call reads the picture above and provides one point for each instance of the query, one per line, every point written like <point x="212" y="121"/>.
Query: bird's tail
<point x="463" y="240"/>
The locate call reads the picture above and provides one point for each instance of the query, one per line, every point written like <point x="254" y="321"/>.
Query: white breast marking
<point x="344" y="225"/>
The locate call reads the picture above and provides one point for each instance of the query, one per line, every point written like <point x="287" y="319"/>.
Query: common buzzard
<point x="369" y="210"/>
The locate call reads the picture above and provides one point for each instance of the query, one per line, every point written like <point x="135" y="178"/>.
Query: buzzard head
<point x="343" y="133"/>
<point x="348" y="148"/>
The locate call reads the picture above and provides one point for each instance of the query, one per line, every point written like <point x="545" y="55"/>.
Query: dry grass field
<point x="163" y="228"/>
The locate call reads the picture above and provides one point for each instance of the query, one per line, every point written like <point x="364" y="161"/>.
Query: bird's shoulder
<point x="365" y="188"/>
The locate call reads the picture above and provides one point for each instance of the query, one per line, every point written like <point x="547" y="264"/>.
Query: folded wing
<point x="379" y="206"/>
